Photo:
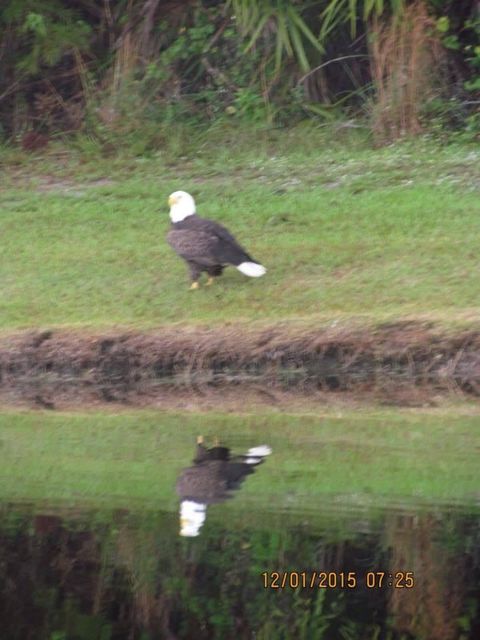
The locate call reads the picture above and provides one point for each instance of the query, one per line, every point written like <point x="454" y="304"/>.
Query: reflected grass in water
<point x="118" y="574"/>
<point x="136" y="457"/>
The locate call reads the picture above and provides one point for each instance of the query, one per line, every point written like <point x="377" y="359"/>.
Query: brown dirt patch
<point x="402" y="364"/>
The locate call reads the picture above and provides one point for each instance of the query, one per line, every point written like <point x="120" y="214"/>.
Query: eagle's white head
<point x="192" y="517"/>
<point x="181" y="205"/>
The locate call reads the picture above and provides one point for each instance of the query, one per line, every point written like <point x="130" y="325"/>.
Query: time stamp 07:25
<point x="337" y="580"/>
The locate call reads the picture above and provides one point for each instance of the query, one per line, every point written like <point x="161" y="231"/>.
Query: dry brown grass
<point x="404" y="57"/>
<point x="397" y="363"/>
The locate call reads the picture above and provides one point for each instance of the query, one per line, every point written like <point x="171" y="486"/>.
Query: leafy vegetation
<point x="84" y="566"/>
<point x="79" y="67"/>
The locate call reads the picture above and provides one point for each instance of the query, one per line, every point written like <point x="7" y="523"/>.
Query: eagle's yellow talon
<point x="199" y="439"/>
<point x="209" y="281"/>
<point x="195" y="285"/>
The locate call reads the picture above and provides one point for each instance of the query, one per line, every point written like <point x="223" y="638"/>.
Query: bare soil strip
<point x="397" y="363"/>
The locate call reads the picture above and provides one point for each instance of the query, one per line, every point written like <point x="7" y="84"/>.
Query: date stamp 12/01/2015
<point x="337" y="580"/>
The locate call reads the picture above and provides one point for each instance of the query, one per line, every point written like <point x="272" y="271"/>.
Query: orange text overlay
<point x="337" y="580"/>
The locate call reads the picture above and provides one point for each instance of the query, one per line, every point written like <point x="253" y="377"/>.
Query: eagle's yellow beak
<point x="171" y="201"/>
<point x="184" y="522"/>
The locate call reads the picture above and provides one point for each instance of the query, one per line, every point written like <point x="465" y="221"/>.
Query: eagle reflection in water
<point x="211" y="479"/>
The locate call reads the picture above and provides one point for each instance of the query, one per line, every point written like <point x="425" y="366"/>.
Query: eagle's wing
<point x="218" y="230"/>
<point x="228" y="241"/>
<point x="203" y="483"/>
<point x="195" y="246"/>
<point x="236" y="472"/>
<point x="211" y="245"/>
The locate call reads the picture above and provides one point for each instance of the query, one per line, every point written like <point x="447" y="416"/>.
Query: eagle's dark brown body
<point x="213" y="475"/>
<point x="205" y="246"/>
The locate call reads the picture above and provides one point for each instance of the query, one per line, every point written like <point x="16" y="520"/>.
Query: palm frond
<point x="292" y="33"/>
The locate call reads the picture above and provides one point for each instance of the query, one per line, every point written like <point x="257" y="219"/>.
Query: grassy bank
<point x="134" y="458"/>
<point x="344" y="231"/>
<point x="401" y="363"/>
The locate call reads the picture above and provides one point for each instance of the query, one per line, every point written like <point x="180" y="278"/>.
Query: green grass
<point x="370" y="457"/>
<point x="342" y="229"/>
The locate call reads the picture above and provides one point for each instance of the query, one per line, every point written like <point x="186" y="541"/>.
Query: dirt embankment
<point x="397" y="363"/>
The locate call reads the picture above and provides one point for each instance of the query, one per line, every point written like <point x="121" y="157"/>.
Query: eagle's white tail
<point x="252" y="269"/>
<point x="255" y="454"/>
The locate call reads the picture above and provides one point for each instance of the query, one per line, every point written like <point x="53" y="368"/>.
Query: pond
<point x="131" y="526"/>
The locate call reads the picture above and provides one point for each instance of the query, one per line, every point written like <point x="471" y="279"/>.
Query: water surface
<point x="351" y="528"/>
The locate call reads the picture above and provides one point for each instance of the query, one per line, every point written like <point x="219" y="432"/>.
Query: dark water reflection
<point x="212" y="478"/>
<point x="71" y="575"/>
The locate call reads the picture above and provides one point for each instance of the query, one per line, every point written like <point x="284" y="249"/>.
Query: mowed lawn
<point x="342" y="231"/>
<point x="374" y="455"/>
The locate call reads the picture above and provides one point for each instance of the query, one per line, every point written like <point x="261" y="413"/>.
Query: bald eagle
<point x="211" y="479"/>
<point x="205" y="245"/>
